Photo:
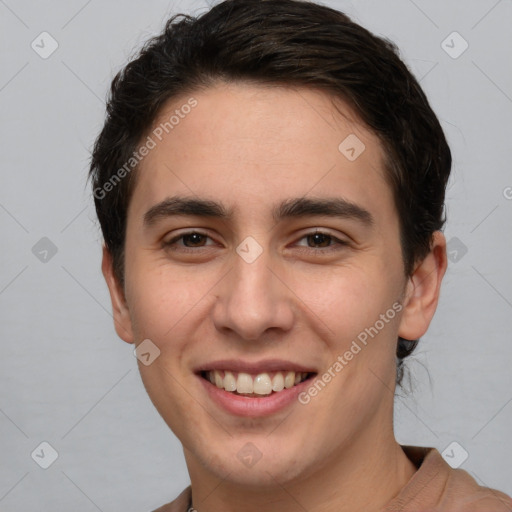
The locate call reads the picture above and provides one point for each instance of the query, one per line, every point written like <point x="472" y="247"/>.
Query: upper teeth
<point x="261" y="384"/>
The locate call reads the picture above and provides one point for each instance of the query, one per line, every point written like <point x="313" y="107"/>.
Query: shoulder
<point x="180" y="504"/>
<point x="437" y="487"/>
<point x="466" y="495"/>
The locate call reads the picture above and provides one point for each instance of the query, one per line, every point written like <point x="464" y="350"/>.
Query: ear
<point x="120" y="311"/>
<point x="422" y="291"/>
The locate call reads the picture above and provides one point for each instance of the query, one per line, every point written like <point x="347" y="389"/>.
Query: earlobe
<point x="423" y="289"/>
<point x="120" y="311"/>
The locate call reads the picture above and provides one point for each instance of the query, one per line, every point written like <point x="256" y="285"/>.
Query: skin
<point x="250" y="147"/>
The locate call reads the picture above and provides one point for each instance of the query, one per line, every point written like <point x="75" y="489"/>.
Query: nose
<point x="253" y="300"/>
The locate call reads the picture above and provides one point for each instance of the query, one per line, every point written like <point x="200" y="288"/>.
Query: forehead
<point x="253" y="145"/>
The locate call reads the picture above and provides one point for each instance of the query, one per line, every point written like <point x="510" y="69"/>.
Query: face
<point x="263" y="254"/>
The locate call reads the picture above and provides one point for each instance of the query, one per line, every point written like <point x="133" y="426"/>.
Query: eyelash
<point x="340" y="244"/>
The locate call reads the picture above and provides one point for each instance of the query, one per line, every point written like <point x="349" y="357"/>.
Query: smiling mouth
<point x="255" y="385"/>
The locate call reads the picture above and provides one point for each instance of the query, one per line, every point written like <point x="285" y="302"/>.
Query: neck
<point x="364" y="476"/>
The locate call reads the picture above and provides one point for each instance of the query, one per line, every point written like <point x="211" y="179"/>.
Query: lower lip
<point x="247" y="406"/>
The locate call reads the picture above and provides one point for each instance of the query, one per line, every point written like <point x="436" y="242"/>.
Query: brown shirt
<point x="435" y="487"/>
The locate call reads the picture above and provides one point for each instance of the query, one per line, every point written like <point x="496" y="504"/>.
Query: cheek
<point x="344" y="299"/>
<point x="159" y="300"/>
<point x="352" y="310"/>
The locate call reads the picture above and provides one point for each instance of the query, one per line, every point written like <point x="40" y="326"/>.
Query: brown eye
<point x="190" y="240"/>
<point x="194" y="239"/>
<point x="319" y="242"/>
<point x="320" y="239"/>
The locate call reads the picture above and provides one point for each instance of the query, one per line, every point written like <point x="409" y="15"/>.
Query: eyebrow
<point x="290" y="208"/>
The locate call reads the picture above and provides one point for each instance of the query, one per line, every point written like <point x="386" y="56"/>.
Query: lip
<point x="254" y="407"/>
<point x="254" y="367"/>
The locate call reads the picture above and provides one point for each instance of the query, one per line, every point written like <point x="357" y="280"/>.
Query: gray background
<point x="65" y="377"/>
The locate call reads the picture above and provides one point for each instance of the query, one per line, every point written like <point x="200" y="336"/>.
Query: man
<point x="270" y="184"/>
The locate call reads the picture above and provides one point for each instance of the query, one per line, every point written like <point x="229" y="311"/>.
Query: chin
<point x="249" y="466"/>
